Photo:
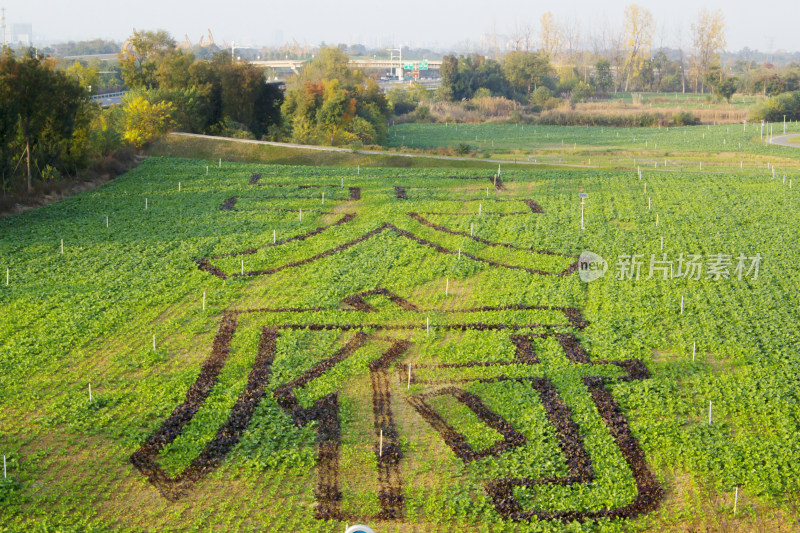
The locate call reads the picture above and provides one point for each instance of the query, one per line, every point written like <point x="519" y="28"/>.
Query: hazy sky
<point x="765" y="25"/>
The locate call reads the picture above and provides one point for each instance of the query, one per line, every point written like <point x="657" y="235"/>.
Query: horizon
<point x="412" y="28"/>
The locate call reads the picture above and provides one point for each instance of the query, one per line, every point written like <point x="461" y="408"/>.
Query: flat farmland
<point x="230" y="346"/>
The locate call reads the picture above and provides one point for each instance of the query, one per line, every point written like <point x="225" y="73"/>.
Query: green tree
<point x="140" y="57"/>
<point x="328" y="103"/>
<point x="331" y="63"/>
<point x="603" y="77"/>
<point x="86" y="76"/>
<point x="774" y="109"/>
<point x="173" y="70"/>
<point x="526" y="70"/>
<point x="45" y="108"/>
<point x="449" y="74"/>
<point x="727" y="88"/>
<point x="247" y="98"/>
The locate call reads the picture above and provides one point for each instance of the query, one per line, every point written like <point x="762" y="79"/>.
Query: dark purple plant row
<point x="534" y="207"/>
<point x="501" y="215"/>
<point x="357" y="302"/>
<point x="205" y="263"/>
<point x="498" y="183"/>
<point x="146" y="457"/>
<point x="455" y="440"/>
<point x="444" y="229"/>
<point x="649" y="492"/>
<point x="229" y="204"/>
<point x="390" y="495"/>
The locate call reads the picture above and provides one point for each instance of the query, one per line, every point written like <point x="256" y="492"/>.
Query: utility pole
<point x="399" y="56"/>
<point x="3" y="26"/>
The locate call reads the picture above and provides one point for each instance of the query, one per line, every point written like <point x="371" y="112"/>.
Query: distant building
<point x="22" y="34"/>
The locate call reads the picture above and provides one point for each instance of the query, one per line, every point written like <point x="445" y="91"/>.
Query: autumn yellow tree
<point x="638" y="29"/>
<point x="145" y="121"/>
<point x="708" y="37"/>
<point x="550" y="35"/>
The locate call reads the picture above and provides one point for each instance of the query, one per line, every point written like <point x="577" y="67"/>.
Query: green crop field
<point x="287" y="348"/>
<point x="672" y="148"/>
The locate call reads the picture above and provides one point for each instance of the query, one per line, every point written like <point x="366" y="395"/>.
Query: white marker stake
<point x="409" y="376"/>
<point x="179" y="186"/>
<point x="694" y="350"/>
<point x="242" y="267"/>
<point x="480" y="208"/>
<point x="359" y="169"/>
<point x="487" y="192"/>
<point x="471" y="225"/>
<point x="645" y="187"/>
<point x="427" y="324"/>
<point x="4" y="467"/>
<point x="709" y="412"/>
<point x="301" y="215"/>
<point x="90" y="392"/>
<point x="656" y="219"/>
<point x="154" y="342"/>
<point x="145" y="203"/>
<point x="8" y="272"/>
<point x="273" y="236"/>
<point x="447" y="287"/>
<point x="62" y="246"/>
<point x="662" y="243"/>
<point x="649" y="203"/>
<point x="380" y="447"/>
<point x="342" y="183"/>
<point x="204" y="300"/>
<point x="323" y="197"/>
<point x="681" y="304"/>
<point x="206" y="170"/>
<point x="459" y="258"/>
<point x="106" y="220"/>
<point x="736" y="498"/>
<point x="220" y="162"/>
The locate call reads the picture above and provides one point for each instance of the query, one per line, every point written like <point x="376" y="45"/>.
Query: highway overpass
<point x="295" y="65"/>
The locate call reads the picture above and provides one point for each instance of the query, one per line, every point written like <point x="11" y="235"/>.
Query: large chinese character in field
<point x="378" y="329"/>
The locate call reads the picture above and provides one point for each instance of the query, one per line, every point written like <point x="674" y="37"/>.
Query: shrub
<point x="541" y="96"/>
<point x="422" y="114"/>
<point x="684" y="118"/>
<point x="773" y="109"/>
<point x="463" y="149"/>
